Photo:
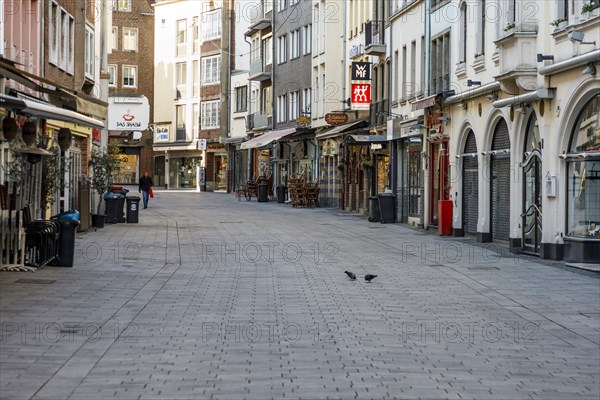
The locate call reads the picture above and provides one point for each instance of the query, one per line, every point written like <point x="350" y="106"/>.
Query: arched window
<point x="481" y="29"/>
<point x="583" y="183"/>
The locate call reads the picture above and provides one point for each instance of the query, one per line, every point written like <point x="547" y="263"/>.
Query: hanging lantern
<point x="29" y="133"/>
<point x="64" y="139"/>
<point x="9" y="128"/>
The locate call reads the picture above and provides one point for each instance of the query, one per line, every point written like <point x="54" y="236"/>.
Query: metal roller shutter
<point x="500" y="184"/>
<point x="470" y="203"/>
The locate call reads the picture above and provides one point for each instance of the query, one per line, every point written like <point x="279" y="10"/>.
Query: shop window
<point x="583" y="217"/>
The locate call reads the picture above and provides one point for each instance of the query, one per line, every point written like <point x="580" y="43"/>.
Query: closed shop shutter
<point x="470" y="203"/>
<point x="500" y="184"/>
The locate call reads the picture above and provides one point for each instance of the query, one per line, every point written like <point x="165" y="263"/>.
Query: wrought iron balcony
<point x="375" y="38"/>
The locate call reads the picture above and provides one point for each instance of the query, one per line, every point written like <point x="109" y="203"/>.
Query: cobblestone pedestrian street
<point x="211" y="297"/>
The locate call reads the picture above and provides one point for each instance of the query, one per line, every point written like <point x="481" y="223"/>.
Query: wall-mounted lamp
<point x="542" y="57"/>
<point x="448" y="93"/>
<point x="590" y="69"/>
<point x="348" y="101"/>
<point x="577" y="36"/>
<point x="444" y="118"/>
<point x="472" y="83"/>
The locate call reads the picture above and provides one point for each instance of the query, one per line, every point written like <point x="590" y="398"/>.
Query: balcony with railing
<point x="375" y="38"/>
<point x="260" y="18"/>
<point x="378" y="113"/>
<point x="517" y="57"/>
<point x="258" y="121"/>
<point x="259" y="71"/>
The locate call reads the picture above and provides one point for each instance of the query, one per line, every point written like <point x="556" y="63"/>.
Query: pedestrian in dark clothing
<point x="145" y="187"/>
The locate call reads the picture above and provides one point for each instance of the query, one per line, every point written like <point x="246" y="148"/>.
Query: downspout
<point x="424" y="168"/>
<point x="230" y="155"/>
<point x="249" y="151"/>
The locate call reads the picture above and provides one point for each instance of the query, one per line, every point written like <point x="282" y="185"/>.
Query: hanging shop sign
<point x="215" y="146"/>
<point x="29" y="132"/>
<point x="302" y="120"/>
<point x="128" y="113"/>
<point x="330" y="147"/>
<point x="161" y="133"/>
<point x="335" y="119"/>
<point x="64" y="138"/>
<point x="9" y="128"/>
<point x="202" y="144"/>
<point x="96" y="135"/>
<point x="361" y="96"/>
<point x="361" y="71"/>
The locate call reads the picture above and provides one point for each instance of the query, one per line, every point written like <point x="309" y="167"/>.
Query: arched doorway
<point x="500" y="182"/>
<point x="470" y="187"/>
<point x="531" y="215"/>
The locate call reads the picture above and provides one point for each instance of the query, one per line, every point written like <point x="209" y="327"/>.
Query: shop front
<point x="183" y="170"/>
<point x="217" y="168"/>
<point x="582" y="184"/>
<point x="129" y="166"/>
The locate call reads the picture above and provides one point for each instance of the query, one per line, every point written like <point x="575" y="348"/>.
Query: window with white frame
<point x="268" y="5"/>
<point x="295" y="44"/>
<point x="210" y="114"/>
<point x="292" y="2"/>
<point x="211" y="25"/>
<point x="293" y="105"/>
<point x="306" y="102"/>
<point x="115" y="38"/>
<point x="481" y="23"/>
<point x="267" y="48"/>
<point x="196" y="120"/>
<point x="124" y="5"/>
<point x="196" y="77"/>
<point x="211" y="70"/>
<point x="129" y="76"/>
<point x="281" y="49"/>
<point x="196" y="35"/>
<point x="112" y="75"/>
<point x="181" y="80"/>
<point x="241" y="99"/>
<point x="266" y="103"/>
<point x="130" y="39"/>
<point x="255" y="49"/>
<point x="61" y="31"/>
<point x="181" y="38"/>
<point x="180" y="123"/>
<point x="281" y="108"/>
<point x="281" y="5"/>
<point x="307" y="39"/>
<point x="53" y="32"/>
<point x="89" y="52"/>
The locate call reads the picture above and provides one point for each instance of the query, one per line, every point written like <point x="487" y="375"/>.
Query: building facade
<point x="131" y="70"/>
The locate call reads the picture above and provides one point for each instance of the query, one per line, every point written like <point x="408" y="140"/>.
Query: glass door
<point x="532" y="204"/>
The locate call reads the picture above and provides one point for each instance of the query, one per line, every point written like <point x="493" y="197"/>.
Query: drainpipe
<point x="425" y="167"/>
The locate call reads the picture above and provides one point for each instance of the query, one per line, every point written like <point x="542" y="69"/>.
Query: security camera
<point x="458" y="156"/>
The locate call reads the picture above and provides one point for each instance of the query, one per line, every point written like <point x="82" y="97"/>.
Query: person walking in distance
<point x="145" y="187"/>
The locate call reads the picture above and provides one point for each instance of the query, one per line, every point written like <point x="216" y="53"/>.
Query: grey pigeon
<point x="370" y="277"/>
<point x="350" y="275"/>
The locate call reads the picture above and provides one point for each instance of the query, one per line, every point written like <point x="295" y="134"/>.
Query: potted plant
<point x="53" y="177"/>
<point x="104" y="163"/>
<point x="558" y="23"/>
<point x="590" y="6"/>
<point x="510" y="26"/>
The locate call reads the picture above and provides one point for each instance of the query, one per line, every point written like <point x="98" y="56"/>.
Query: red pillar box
<point x="445" y="217"/>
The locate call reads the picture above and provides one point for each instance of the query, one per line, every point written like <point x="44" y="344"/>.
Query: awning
<point x="267" y="138"/>
<point x="48" y="111"/>
<point x="300" y="134"/>
<point x="424" y="103"/>
<point x="338" y="130"/>
<point x="543" y="93"/>
<point x="175" y="146"/>
<point x="364" y="139"/>
<point x="232" y="140"/>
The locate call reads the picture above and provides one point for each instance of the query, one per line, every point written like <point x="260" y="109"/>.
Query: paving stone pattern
<point x="210" y="297"/>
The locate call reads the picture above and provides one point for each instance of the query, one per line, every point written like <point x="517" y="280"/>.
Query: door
<point x="532" y="204"/>
<point x="500" y="182"/>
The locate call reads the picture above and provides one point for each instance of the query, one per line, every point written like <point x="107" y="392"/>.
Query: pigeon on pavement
<point x="370" y="277"/>
<point x="350" y="275"/>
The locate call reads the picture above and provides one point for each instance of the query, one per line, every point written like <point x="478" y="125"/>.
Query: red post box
<point x="445" y="217"/>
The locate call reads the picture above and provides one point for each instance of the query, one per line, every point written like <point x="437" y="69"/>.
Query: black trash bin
<point x="263" y="194"/>
<point x="133" y="209"/>
<point x="114" y="208"/>
<point x="375" y="215"/>
<point x="387" y="207"/>
<point x="281" y="191"/>
<point x="66" y="243"/>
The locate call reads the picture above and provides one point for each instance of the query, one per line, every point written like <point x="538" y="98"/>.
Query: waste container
<point x="114" y="208"/>
<point x="133" y="209"/>
<point x="387" y="207"/>
<point x="68" y="221"/>
<point x="375" y="215"/>
<point x="281" y="191"/>
<point x="263" y="194"/>
<point x="445" y="217"/>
